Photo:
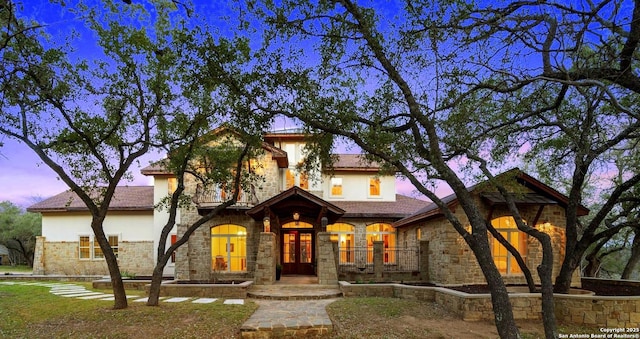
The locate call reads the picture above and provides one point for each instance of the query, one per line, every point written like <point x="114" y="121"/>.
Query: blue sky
<point x="23" y="177"/>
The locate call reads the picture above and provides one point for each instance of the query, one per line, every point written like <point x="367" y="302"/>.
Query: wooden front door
<point x="297" y="252"/>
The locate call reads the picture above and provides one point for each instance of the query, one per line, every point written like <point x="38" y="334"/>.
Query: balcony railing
<point x="360" y="259"/>
<point x="216" y="195"/>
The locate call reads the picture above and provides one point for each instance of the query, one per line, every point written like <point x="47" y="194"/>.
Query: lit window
<point x="385" y="233"/>
<point x="172" y="185"/>
<point x="229" y="248"/>
<point x="304" y="181"/>
<point x="336" y="187"/>
<point x="374" y="187"/>
<point x="344" y="234"/>
<point x="505" y="262"/>
<point x="418" y="234"/>
<point x="174" y="238"/>
<point x="290" y="179"/>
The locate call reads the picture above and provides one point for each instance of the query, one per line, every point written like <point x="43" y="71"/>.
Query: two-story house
<point x="354" y="202"/>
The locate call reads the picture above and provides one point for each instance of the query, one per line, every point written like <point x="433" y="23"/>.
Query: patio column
<point x="265" y="273"/>
<point x="424" y="260"/>
<point x="378" y="258"/>
<point x="327" y="269"/>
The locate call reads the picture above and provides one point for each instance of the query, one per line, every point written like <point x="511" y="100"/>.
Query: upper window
<point x="504" y="260"/>
<point x="172" y="184"/>
<point x="336" y="187"/>
<point x="374" y="187"/>
<point x="290" y="179"/>
<point x="229" y="248"/>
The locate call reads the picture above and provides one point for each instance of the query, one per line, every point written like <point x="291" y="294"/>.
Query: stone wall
<point x="193" y="259"/>
<point x="595" y="310"/>
<point x="451" y="261"/>
<point x="135" y="257"/>
<point x="579" y="309"/>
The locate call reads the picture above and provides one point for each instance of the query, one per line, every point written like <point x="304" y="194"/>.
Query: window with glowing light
<point x="374" y="187"/>
<point x="506" y="262"/>
<point x="229" y="248"/>
<point x="336" y="187"/>
<point x="385" y="233"/>
<point x="344" y="234"/>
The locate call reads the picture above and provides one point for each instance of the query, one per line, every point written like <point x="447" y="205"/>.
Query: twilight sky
<point x="24" y="179"/>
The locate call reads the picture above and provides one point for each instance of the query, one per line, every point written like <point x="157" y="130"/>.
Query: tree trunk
<point x="119" y="293"/>
<point x="503" y="313"/>
<point x="154" y="288"/>
<point x="545" y="272"/>
<point x="634" y="258"/>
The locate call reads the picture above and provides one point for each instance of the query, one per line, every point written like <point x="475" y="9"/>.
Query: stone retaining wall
<point x="236" y="291"/>
<point x="580" y="309"/>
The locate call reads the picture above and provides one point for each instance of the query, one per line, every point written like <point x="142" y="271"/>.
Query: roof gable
<point x="543" y="195"/>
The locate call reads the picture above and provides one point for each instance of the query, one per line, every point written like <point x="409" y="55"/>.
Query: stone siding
<point x="451" y="261"/>
<point x="193" y="259"/>
<point x="63" y="258"/>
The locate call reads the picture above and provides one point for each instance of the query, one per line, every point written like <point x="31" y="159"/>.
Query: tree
<point x="377" y="81"/>
<point x="89" y="121"/>
<point x="18" y="231"/>
<point x="565" y="79"/>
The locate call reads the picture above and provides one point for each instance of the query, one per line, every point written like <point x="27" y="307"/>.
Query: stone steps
<point x="294" y="292"/>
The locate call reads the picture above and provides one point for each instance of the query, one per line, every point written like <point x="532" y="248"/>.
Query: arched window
<point x="504" y="260"/>
<point x="385" y="233"/>
<point x="229" y="248"/>
<point x="344" y="234"/>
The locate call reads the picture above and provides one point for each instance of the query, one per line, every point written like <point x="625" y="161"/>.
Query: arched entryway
<point x="296" y="216"/>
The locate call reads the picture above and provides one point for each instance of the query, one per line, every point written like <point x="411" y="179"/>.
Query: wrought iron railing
<point x="219" y="194"/>
<point x="361" y="259"/>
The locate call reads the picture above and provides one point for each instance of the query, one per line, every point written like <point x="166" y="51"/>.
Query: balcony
<point x="216" y="195"/>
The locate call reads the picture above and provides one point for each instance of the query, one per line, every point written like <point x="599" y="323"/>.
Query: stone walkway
<point x="285" y="318"/>
<point x="293" y="307"/>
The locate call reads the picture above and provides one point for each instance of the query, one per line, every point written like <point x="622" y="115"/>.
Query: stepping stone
<point x="176" y="300"/>
<point x="141" y="300"/>
<point x="111" y="298"/>
<point x="234" y="302"/>
<point x="68" y="292"/>
<point x="7" y="283"/>
<point x="97" y="296"/>
<point x="85" y="294"/>
<point x="204" y="300"/>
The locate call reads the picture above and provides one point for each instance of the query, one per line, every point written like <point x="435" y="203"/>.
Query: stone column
<point x="378" y="258"/>
<point x="38" y="257"/>
<point x="424" y="260"/>
<point x="327" y="269"/>
<point x="265" y="272"/>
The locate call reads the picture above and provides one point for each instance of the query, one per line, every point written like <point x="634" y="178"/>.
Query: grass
<point x="28" y="311"/>
<point x="4" y="269"/>
<point x="33" y="312"/>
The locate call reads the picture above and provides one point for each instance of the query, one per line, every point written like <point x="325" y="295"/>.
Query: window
<point x="344" y="234"/>
<point x="506" y="263"/>
<point x="304" y="181"/>
<point x="290" y="179"/>
<point x="385" y="233"/>
<point x="374" y="187"/>
<point x="89" y="248"/>
<point x="336" y="187"/>
<point x="85" y="247"/>
<point x="229" y="248"/>
<point x="418" y="234"/>
<point x="172" y="185"/>
<point x="174" y="238"/>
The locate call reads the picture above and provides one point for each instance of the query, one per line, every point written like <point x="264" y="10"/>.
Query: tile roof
<point x="545" y="195"/>
<point x="351" y="162"/>
<point x="126" y="198"/>
<point x="403" y="206"/>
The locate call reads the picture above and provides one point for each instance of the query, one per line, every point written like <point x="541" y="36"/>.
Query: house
<point x="4" y="255"/>
<point x="347" y="223"/>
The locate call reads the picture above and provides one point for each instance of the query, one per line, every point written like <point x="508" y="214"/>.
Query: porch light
<point x="267" y="224"/>
<point x="296" y="217"/>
